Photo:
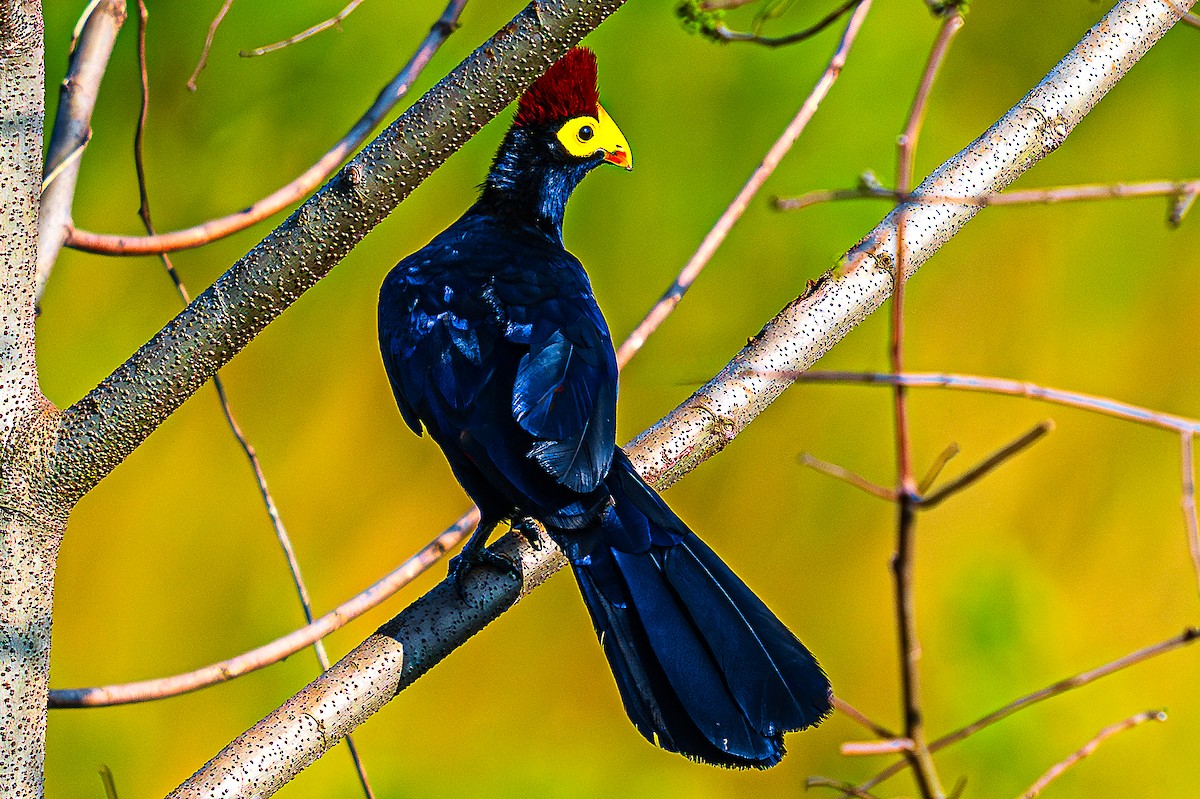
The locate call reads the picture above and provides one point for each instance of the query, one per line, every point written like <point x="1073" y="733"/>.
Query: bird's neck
<point x="527" y="187"/>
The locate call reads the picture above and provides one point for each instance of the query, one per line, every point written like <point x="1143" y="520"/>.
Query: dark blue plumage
<point x="493" y="342"/>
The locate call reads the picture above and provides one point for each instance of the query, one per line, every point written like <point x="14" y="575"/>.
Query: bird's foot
<point x="528" y="528"/>
<point x="462" y="564"/>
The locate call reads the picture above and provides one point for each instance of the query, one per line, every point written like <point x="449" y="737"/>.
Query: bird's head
<point x="562" y="110"/>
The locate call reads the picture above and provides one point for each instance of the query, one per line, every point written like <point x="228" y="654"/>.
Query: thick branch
<point x="808" y="327"/>
<point x="258" y="762"/>
<point x="105" y="426"/>
<point x="73" y="129"/>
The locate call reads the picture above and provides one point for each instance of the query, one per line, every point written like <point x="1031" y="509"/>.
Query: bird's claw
<point x="462" y="564"/>
<point x="528" y="529"/>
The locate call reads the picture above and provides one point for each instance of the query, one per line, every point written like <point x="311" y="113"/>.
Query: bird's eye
<point x="586" y="133"/>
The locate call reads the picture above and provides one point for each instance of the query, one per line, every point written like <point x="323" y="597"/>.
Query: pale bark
<point x="73" y="129"/>
<point x="30" y="528"/>
<point x="262" y="759"/>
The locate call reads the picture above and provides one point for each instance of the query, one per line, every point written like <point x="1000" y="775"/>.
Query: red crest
<point x="568" y="89"/>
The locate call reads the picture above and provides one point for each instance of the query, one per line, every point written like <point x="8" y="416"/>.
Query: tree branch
<point x="333" y="22"/>
<point x="29" y="531"/>
<point x="262" y="759"/>
<point x="1189" y="636"/>
<point x="219" y="228"/>
<point x="100" y="430"/>
<point x="22" y="114"/>
<point x="716" y="236"/>
<point x="1088" y="748"/>
<point x="73" y="129"/>
<point x="809" y="326"/>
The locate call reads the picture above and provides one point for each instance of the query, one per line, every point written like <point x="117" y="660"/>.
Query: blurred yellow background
<point x="1068" y="557"/>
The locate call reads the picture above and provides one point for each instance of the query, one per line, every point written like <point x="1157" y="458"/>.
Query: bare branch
<point x="842" y="473"/>
<point x="1190" y="19"/>
<point x="809" y="326"/>
<point x="199" y="235"/>
<point x="208" y="41"/>
<point x="1181" y="193"/>
<point x="870" y="748"/>
<point x="280" y="648"/>
<point x="733" y="213"/>
<point x="332" y="22"/>
<point x="842" y="706"/>
<point x="106" y="425"/>
<point x="1015" y="388"/>
<point x="724" y="34"/>
<point x="936" y="468"/>
<point x="1057" y="769"/>
<point x="1188" y="499"/>
<point x="988" y="464"/>
<point x="1188" y="636"/>
<point x="73" y="128"/>
<point x="903" y="562"/>
<point x="844" y="787"/>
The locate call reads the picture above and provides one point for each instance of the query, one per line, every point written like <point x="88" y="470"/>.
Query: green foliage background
<point x="1069" y="557"/>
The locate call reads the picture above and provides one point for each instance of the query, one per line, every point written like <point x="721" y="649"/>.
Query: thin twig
<point x="280" y="648"/>
<point x="840" y="785"/>
<point x="842" y="473"/>
<point x="1182" y="193"/>
<point x="281" y="534"/>
<point x="724" y="34"/>
<point x="989" y="463"/>
<point x="221" y="227"/>
<point x="867" y="748"/>
<point x="1013" y="388"/>
<point x="208" y="41"/>
<point x="334" y="21"/>
<point x="844" y="707"/>
<point x="108" y="781"/>
<point x="903" y="563"/>
<point x="935" y="468"/>
<point x="1186" y="427"/>
<point x="1188" y="636"/>
<point x="704" y="253"/>
<point x="1184" y="16"/>
<point x="1188" y="498"/>
<point x="91" y="48"/>
<point x="1057" y="769"/>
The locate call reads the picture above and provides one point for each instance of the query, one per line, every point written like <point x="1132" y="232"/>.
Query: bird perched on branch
<point x="493" y="342"/>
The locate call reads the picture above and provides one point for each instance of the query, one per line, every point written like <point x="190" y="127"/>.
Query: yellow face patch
<point x="584" y="136"/>
<point x="578" y="136"/>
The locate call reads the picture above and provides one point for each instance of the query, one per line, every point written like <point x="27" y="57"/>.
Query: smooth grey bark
<point x="73" y="129"/>
<point x="261" y="760"/>
<point x="101" y="429"/>
<point x="29" y="528"/>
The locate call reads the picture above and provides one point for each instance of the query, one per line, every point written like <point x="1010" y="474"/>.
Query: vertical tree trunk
<point x="29" y="535"/>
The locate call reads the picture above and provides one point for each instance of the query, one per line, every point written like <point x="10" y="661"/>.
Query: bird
<point x="494" y="344"/>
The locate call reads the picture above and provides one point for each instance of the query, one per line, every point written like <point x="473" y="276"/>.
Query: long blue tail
<point x="703" y="666"/>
